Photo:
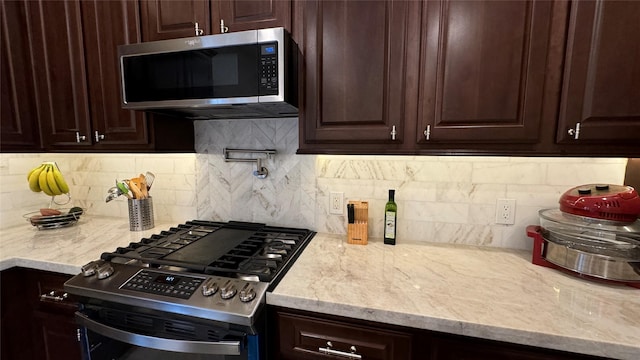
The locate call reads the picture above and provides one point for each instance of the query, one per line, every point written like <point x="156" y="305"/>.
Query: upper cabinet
<point x="601" y="84"/>
<point x="482" y="70"/>
<point x="355" y="72"/>
<point x="73" y="80"/>
<point x="170" y="19"/>
<point x="470" y="77"/>
<point x="19" y="128"/>
<point x="78" y="88"/>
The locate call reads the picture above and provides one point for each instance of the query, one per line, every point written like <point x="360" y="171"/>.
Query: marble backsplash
<point x="440" y="199"/>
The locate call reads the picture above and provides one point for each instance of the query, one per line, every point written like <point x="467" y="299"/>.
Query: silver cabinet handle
<point x="575" y="132"/>
<point x="223" y="29"/>
<point x="185" y="346"/>
<point x="393" y="132"/>
<point x="427" y="132"/>
<point x="53" y="297"/>
<point x="80" y="138"/>
<point x="349" y="355"/>
<point x="199" y="31"/>
<point x="99" y="136"/>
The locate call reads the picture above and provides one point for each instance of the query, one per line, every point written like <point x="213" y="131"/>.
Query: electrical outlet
<point x="506" y="211"/>
<point x="336" y="203"/>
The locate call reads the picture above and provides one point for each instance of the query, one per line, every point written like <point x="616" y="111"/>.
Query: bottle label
<point x="390" y="225"/>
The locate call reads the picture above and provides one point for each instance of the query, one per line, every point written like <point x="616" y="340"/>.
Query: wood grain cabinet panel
<point x="63" y="100"/>
<point x="303" y="337"/>
<point x="601" y="85"/>
<point x="108" y="24"/>
<point x="482" y="70"/>
<point x="355" y="71"/>
<point x="19" y="128"/>
<point x="240" y="15"/>
<point x="171" y="19"/>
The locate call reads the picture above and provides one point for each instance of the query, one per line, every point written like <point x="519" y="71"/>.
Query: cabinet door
<point x="303" y="337"/>
<point x="108" y="24"/>
<point x="60" y="71"/>
<point x="601" y="89"/>
<point x="355" y="68"/>
<point x="240" y="15"/>
<point x="482" y="71"/>
<point x="19" y="126"/>
<point x="171" y="19"/>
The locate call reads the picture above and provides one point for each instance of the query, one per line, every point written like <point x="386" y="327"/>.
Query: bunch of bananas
<point x="48" y="179"/>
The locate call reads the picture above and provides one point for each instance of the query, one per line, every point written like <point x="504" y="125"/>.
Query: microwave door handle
<point x="185" y="346"/>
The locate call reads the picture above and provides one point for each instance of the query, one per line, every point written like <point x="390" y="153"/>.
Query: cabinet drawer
<point x="316" y="338"/>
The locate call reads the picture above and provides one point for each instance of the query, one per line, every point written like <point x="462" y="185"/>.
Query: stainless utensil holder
<point x="140" y="214"/>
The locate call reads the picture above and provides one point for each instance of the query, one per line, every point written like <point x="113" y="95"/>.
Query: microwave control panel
<point x="269" y="69"/>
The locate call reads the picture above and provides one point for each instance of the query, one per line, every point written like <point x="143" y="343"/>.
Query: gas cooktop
<point x="214" y="270"/>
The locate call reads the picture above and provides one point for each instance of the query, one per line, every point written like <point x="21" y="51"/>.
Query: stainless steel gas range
<point x="194" y="291"/>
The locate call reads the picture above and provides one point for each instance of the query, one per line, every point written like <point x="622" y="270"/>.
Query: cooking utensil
<point x="112" y="193"/>
<point x="150" y="178"/>
<point x="137" y="194"/>
<point x="124" y="188"/>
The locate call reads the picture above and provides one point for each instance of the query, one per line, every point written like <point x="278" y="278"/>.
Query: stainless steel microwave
<point x="247" y="74"/>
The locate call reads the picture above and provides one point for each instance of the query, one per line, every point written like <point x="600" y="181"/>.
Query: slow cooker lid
<point x="555" y="219"/>
<point x="616" y="203"/>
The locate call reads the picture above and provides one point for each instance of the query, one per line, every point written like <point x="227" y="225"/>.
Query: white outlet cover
<point x="506" y="211"/>
<point x="336" y="203"/>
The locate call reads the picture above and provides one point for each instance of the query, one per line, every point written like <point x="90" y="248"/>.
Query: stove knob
<point x="228" y="290"/>
<point x="209" y="287"/>
<point x="90" y="268"/>
<point x="247" y="293"/>
<point x="104" y="271"/>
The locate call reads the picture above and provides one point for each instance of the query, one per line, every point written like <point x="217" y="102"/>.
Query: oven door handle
<point x="185" y="346"/>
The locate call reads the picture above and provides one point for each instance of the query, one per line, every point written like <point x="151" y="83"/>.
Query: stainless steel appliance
<point x="194" y="291"/>
<point x="247" y="74"/>
<point x="595" y="234"/>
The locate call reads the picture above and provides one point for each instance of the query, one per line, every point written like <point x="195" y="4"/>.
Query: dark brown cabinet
<point x="171" y="19"/>
<point x="79" y="89"/>
<point x="601" y="85"/>
<point x="307" y="335"/>
<point x="37" y="316"/>
<point x="68" y="85"/>
<point x="470" y="77"/>
<point x="355" y="71"/>
<point x="19" y="128"/>
<point x="482" y="71"/>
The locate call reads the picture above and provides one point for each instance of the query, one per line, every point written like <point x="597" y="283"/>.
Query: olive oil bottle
<point x="390" y="218"/>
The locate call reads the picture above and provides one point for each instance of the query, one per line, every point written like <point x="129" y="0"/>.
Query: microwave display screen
<point x="195" y="74"/>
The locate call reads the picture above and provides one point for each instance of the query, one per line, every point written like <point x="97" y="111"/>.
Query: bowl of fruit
<point x="54" y="218"/>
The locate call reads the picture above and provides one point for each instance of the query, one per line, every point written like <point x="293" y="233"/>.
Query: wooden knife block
<point x="358" y="233"/>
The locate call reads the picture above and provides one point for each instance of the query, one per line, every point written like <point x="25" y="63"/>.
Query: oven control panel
<point x="178" y="286"/>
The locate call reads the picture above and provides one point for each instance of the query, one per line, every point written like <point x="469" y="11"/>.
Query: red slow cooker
<point x="595" y="234"/>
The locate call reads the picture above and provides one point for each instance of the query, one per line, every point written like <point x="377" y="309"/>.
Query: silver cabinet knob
<point x="575" y="132"/>
<point x="393" y="132"/>
<point x="99" y="136"/>
<point x="198" y="30"/>
<point x="80" y="138"/>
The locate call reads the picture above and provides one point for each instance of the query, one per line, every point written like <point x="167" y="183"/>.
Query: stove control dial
<point x="90" y="268"/>
<point x="209" y="287"/>
<point x="228" y="290"/>
<point x="104" y="271"/>
<point x="247" y="293"/>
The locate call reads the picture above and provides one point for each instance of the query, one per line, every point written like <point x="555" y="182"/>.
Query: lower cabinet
<point x="37" y="316"/>
<point x="306" y="335"/>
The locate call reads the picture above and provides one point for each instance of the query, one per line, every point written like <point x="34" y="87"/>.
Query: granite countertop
<point x="476" y="291"/>
<point x="482" y="292"/>
<point x="65" y="250"/>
